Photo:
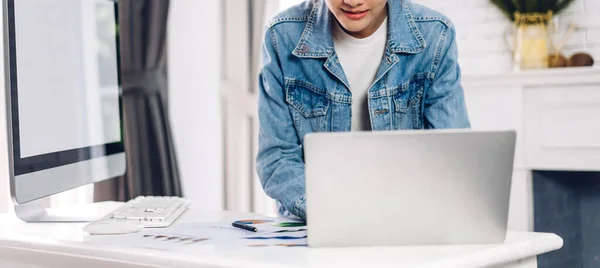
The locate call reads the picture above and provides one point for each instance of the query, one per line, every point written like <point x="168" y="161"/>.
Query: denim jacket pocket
<point x="408" y="101"/>
<point x="310" y="105"/>
<point x="401" y="99"/>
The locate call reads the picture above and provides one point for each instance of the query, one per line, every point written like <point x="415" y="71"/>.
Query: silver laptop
<point x="425" y="187"/>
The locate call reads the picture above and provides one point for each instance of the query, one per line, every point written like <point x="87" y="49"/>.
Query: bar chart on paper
<point x="270" y="233"/>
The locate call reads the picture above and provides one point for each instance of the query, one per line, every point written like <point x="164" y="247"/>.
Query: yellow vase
<point x="531" y="41"/>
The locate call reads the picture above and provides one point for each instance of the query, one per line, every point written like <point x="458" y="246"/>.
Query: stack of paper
<point x="271" y="233"/>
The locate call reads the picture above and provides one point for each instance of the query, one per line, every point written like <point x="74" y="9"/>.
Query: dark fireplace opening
<point x="568" y="204"/>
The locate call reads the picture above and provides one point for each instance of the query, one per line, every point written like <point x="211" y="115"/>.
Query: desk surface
<point x="60" y="243"/>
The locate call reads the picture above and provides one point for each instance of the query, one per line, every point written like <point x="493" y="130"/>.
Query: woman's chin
<point x="353" y="27"/>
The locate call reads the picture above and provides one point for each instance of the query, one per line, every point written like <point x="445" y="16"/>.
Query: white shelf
<point x="535" y="78"/>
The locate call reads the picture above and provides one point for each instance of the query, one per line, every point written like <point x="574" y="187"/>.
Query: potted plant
<point x="530" y="37"/>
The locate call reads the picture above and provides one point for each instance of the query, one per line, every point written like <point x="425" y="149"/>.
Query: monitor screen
<point x="63" y="94"/>
<point x="65" y="88"/>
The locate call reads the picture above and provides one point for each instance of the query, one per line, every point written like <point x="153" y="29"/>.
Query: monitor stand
<point x="38" y="211"/>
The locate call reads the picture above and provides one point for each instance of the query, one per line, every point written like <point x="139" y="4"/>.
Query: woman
<point x="351" y="65"/>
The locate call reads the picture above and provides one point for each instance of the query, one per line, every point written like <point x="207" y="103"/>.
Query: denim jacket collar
<point x="317" y="38"/>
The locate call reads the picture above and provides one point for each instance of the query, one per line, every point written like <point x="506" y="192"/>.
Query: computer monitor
<point x="63" y="97"/>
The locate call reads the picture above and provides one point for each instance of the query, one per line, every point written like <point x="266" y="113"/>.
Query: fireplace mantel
<point x="556" y="114"/>
<point x="557" y="76"/>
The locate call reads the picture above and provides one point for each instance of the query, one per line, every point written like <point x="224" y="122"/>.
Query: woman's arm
<point x="280" y="163"/>
<point x="444" y="102"/>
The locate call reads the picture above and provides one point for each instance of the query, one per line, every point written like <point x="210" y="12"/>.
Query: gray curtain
<point x="151" y="163"/>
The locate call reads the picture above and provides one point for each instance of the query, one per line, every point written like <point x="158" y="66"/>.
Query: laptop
<point x="421" y="187"/>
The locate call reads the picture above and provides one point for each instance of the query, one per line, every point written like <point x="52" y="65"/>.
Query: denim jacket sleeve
<point x="280" y="163"/>
<point x="444" y="103"/>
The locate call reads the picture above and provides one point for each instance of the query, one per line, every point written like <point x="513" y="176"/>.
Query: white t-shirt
<point x="360" y="60"/>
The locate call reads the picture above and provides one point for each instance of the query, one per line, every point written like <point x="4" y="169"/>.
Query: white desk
<point x="31" y="245"/>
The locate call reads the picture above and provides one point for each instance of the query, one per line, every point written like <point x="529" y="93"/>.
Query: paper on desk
<point x="220" y="234"/>
<point x="224" y="234"/>
<point x="274" y="233"/>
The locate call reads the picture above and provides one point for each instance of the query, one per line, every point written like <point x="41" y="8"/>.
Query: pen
<point x="245" y="227"/>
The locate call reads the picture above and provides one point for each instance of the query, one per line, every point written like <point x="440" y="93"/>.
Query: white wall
<point x="194" y="71"/>
<point x="480" y="30"/>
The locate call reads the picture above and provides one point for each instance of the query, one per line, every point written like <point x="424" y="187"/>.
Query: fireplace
<point x="568" y="204"/>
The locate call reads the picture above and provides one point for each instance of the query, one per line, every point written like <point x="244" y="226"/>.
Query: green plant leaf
<point x="509" y="7"/>
<point x="520" y="4"/>
<point x="561" y="5"/>
<point x="531" y="6"/>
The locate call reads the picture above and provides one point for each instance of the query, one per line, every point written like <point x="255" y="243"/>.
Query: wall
<point x="194" y="97"/>
<point x="480" y="30"/>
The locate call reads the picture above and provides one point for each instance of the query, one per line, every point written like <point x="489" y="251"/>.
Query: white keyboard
<point x="151" y="211"/>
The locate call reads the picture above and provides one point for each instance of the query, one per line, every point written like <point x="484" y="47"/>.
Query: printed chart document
<point x="271" y="233"/>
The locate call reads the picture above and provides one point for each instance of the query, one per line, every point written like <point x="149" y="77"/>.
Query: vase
<point x="530" y="41"/>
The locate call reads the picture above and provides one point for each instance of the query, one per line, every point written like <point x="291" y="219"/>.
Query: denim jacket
<point x="303" y="88"/>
